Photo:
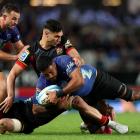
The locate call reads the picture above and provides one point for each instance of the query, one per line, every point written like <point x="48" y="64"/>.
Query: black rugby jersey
<point x="30" y="55"/>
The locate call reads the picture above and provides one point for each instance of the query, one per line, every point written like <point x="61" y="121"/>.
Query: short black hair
<point x="43" y="62"/>
<point x="53" y="25"/>
<point x="10" y="7"/>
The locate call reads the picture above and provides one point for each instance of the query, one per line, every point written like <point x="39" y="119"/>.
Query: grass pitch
<point x="66" y="127"/>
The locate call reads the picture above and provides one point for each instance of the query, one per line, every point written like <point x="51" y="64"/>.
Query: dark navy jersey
<point x="9" y="34"/>
<point x="30" y="55"/>
<point x="65" y="66"/>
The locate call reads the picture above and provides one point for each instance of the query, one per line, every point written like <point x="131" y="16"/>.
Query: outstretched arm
<point x="7" y="103"/>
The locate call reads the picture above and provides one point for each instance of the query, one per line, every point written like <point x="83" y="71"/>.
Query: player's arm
<point x="76" y="82"/>
<point x="11" y="57"/>
<point x="72" y="52"/>
<point x="20" y="65"/>
<point x="15" y="71"/>
<point x="7" y="103"/>
<point x="19" y="45"/>
<point x="7" y="57"/>
<point x="74" y="74"/>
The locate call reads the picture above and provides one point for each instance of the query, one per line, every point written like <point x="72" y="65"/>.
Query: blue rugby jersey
<point x="65" y="66"/>
<point x="9" y="34"/>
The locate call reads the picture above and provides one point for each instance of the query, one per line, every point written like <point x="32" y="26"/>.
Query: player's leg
<point x="129" y="94"/>
<point x="79" y="104"/>
<point x="108" y="87"/>
<point x="93" y="127"/>
<point x="2" y="87"/>
<point x="10" y="125"/>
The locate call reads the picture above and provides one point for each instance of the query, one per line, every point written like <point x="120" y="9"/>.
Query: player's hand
<point x="6" y="104"/>
<point x="52" y="97"/>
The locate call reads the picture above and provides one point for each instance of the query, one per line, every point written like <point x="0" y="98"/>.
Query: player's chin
<point x="53" y="79"/>
<point x="12" y="26"/>
<point x="57" y="43"/>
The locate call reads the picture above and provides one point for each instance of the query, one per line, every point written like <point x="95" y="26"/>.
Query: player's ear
<point x="4" y="17"/>
<point x="45" y="32"/>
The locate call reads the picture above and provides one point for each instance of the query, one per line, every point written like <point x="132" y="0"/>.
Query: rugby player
<point x="85" y="81"/>
<point x="9" y="18"/>
<point x="52" y="43"/>
<point x="24" y="117"/>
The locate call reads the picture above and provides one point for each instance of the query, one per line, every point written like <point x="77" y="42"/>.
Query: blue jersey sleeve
<point x="15" y="35"/>
<point x="65" y="63"/>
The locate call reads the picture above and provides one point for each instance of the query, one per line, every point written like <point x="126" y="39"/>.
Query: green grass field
<point x="66" y="127"/>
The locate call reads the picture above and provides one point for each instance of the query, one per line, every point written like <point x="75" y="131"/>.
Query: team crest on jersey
<point x="24" y="55"/>
<point x="59" y="51"/>
<point x="68" y="44"/>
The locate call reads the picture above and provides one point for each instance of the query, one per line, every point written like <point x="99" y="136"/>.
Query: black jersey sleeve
<point x="24" y="58"/>
<point x="66" y="42"/>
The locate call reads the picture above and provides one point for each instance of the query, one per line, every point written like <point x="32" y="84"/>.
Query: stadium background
<point x="105" y="32"/>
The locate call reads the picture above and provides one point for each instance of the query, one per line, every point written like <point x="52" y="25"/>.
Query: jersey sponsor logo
<point x="68" y="44"/>
<point x="86" y="73"/>
<point x="24" y="55"/>
<point x="9" y="36"/>
<point x="18" y="36"/>
<point x="59" y="51"/>
<point x="69" y="66"/>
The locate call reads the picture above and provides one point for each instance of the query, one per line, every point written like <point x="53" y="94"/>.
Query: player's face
<point x="11" y="19"/>
<point x="54" y="38"/>
<point x="51" y="72"/>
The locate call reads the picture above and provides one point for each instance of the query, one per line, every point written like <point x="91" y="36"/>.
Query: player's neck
<point x="44" y="45"/>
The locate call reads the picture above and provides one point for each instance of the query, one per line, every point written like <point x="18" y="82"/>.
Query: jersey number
<point x="86" y="73"/>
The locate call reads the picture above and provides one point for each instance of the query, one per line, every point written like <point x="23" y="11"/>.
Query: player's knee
<point x="16" y="125"/>
<point x="77" y="101"/>
<point x="135" y="95"/>
<point x="3" y="123"/>
<point x="125" y="93"/>
<point x="11" y="125"/>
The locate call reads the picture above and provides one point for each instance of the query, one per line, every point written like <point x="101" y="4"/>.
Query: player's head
<point x="10" y="14"/>
<point x="47" y="66"/>
<point x="52" y="32"/>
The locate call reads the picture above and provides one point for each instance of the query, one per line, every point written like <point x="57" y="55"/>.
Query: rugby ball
<point x="42" y="97"/>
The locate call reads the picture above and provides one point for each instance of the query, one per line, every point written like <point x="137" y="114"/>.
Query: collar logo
<point x="59" y="51"/>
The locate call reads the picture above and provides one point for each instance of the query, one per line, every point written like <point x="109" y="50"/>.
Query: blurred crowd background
<point x="105" y="32"/>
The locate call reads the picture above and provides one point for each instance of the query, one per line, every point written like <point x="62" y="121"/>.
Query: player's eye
<point x="14" y="18"/>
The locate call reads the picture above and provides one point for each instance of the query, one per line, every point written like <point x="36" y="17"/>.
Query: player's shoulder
<point x="35" y="46"/>
<point x="63" y="57"/>
<point x="63" y="60"/>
